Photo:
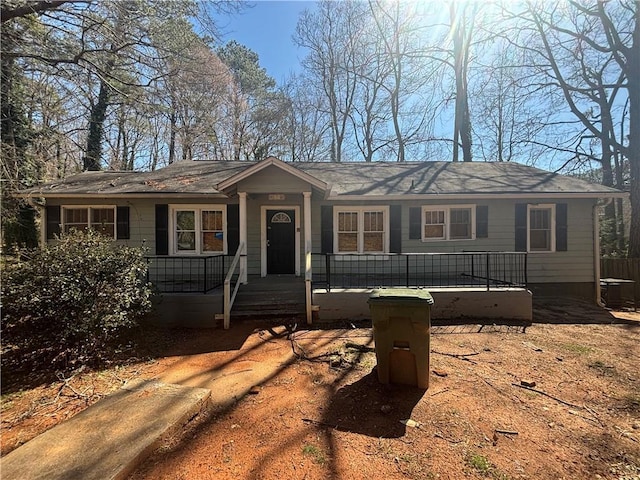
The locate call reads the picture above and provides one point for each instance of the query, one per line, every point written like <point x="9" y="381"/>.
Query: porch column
<point x="243" y="235"/>
<point x="307" y="220"/>
<point x="307" y="257"/>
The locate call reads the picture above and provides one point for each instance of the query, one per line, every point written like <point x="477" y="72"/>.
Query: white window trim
<point x="552" y="226"/>
<point x="360" y="209"/>
<point x="88" y="208"/>
<point x="174" y="208"/>
<point x="447" y="222"/>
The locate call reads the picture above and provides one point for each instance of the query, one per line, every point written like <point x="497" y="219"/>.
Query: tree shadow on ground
<point x="34" y="365"/>
<point x="370" y="408"/>
<point x="561" y="310"/>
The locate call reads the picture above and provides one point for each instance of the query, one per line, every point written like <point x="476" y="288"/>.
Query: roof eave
<point x="433" y="196"/>
<point x="120" y="195"/>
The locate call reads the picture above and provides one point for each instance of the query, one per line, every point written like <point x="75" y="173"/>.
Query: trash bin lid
<point x="401" y="295"/>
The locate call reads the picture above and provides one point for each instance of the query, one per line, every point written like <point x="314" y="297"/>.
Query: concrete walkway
<point x="111" y="437"/>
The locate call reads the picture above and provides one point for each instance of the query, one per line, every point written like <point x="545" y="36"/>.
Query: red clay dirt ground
<point x="323" y="414"/>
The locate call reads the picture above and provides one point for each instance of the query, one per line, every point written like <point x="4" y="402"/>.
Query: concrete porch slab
<point x="513" y="304"/>
<point x="108" y="439"/>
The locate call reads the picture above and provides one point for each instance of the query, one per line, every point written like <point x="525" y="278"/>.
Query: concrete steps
<point x="279" y="297"/>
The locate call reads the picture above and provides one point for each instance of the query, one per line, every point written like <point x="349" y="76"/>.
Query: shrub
<point x="67" y="301"/>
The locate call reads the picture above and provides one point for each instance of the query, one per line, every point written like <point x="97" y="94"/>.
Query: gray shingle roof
<point x="344" y="179"/>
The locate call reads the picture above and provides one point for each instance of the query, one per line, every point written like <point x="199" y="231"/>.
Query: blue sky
<point x="267" y="28"/>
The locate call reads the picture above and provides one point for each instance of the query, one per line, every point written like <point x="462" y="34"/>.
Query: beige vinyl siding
<point x="273" y="180"/>
<point x="141" y="218"/>
<point x="574" y="265"/>
<point x="577" y="263"/>
<point x="253" y="236"/>
<point x="142" y="224"/>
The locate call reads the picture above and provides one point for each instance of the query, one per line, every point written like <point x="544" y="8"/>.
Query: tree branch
<point x="7" y="14"/>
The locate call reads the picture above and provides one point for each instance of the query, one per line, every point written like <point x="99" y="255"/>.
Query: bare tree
<point x="461" y="18"/>
<point x="307" y="138"/>
<point x="587" y="55"/>
<point x="331" y="36"/>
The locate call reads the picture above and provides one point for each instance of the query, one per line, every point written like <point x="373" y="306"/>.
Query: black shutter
<point x="415" y="223"/>
<point x="122" y="226"/>
<point x="326" y="229"/>
<point x="233" y="228"/>
<point x="482" y="221"/>
<point x="53" y="221"/>
<point x="521" y="227"/>
<point x="395" y="229"/>
<point x="162" y="229"/>
<point x="561" y="227"/>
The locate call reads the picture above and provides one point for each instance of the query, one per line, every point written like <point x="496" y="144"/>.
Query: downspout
<point x="596" y="252"/>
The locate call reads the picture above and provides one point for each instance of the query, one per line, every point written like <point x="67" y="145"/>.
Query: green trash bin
<point x="401" y="331"/>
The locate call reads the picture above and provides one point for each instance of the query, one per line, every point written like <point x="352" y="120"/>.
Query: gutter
<point x="150" y="195"/>
<point x="596" y="255"/>
<point x="471" y="196"/>
<point x="330" y="195"/>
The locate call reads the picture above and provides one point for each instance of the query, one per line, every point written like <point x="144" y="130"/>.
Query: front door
<point x="281" y="234"/>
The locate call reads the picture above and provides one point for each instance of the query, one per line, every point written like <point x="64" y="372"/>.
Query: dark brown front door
<point x="281" y="234"/>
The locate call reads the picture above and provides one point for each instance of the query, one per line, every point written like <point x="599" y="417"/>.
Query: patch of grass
<point x="480" y="463"/>
<point x="577" y="348"/>
<point x="315" y="452"/>
<point x="413" y="465"/>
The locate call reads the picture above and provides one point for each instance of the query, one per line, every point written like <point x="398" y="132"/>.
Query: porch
<point x="488" y="285"/>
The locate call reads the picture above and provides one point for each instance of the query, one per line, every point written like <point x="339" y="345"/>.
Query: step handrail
<point x="230" y="297"/>
<point x="308" y="276"/>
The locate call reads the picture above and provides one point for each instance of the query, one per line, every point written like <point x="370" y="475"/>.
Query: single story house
<point x="481" y="236"/>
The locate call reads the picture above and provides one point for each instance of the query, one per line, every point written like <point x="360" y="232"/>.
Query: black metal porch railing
<point x="446" y="270"/>
<point x="199" y="274"/>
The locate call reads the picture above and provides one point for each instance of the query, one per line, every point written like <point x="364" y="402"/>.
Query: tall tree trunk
<point x="96" y="127"/>
<point x="633" y="153"/>
<point x="172" y="134"/>
<point x="611" y="230"/>
<point x="462" y="121"/>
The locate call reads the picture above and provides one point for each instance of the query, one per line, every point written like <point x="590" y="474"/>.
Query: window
<point x="373" y="232"/>
<point x="460" y="221"/>
<point x="541" y="233"/>
<point x="434" y="226"/>
<point x="198" y="230"/>
<point x="212" y="231"/>
<point x="361" y="229"/>
<point x="186" y="231"/>
<point x="449" y="223"/>
<point x="102" y="219"/>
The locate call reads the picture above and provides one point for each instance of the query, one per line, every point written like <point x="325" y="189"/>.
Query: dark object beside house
<point x="612" y="293"/>
<point x="401" y="323"/>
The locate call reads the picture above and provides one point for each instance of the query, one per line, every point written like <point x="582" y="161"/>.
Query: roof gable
<point x="268" y="162"/>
